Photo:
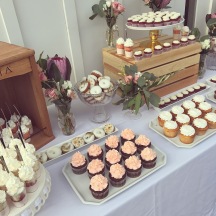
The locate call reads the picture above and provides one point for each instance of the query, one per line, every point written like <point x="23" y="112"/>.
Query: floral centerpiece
<point x="110" y="10"/>
<point x="55" y="74"/>
<point x="136" y="88"/>
<point x="157" y="5"/>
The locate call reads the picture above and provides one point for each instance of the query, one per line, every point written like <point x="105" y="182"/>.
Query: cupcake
<point x="133" y="166"/>
<point x="128" y="149"/>
<point x="191" y="39"/>
<point x="197" y="99"/>
<point x="175" y="44"/>
<point x="142" y="22"/>
<point x="211" y="120"/>
<point x="4" y="176"/>
<point x="148" y="158"/>
<point x="4" y="208"/>
<point x="202" y="86"/>
<point x="26" y="133"/>
<point x="135" y="21"/>
<point x="158" y="49"/>
<point x="15" y="118"/>
<point x="176" y="110"/>
<point x="170" y="129"/>
<point x="138" y="55"/>
<point x="147" y="53"/>
<point x="99" y="186"/>
<point x="117" y="175"/>
<point x="112" y="142"/>
<point x="95" y="152"/>
<point x="185" y="31"/>
<point x="25" y="120"/>
<point x="129" y="21"/>
<point x="184" y="41"/>
<point x="120" y="46"/>
<point x="200" y="125"/>
<point x="174" y="18"/>
<point x="112" y="157"/>
<point x="187" y="134"/>
<point x="161" y="104"/>
<point x="166" y="20"/>
<point x="164" y="116"/>
<point x="78" y="163"/>
<point x="149" y="22"/>
<point x="128" y="48"/>
<point x="173" y="99"/>
<point x="167" y="47"/>
<point x="167" y="101"/>
<point x="179" y="96"/>
<point x="190" y="90"/>
<point x="185" y="93"/>
<point x="213" y="79"/>
<point x="197" y="88"/>
<point x="95" y="167"/>
<point x="182" y="119"/>
<point x="194" y="113"/>
<point x="188" y="104"/>
<point x="142" y="142"/>
<point x="205" y="107"/>
<point x="13" y="126"/>
<point x="127" y="135"/>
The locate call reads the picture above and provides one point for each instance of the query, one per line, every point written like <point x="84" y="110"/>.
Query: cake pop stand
<point x="154" y="32"/>
<point x="36" y="199"/>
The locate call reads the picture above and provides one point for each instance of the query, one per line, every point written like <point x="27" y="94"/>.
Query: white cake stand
<point x="36" y="199"/>
<point x="154" y="32"/>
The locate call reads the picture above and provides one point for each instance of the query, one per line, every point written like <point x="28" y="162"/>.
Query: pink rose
<point x="115" y="5"/>
<point x="51" y="94"/>
<point x="146" y="1"/>
<point x="128" y="79"/>
<point x="42" y="76"/>
<point x="121" y="8"/>
<point x="213" y="15"/>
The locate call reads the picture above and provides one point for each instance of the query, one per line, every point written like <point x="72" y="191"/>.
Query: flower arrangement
<point x="136" y="88"/>
<point x="110" y="10"/>
<point x="211" y="23"/>
<point x="157" y="5"/>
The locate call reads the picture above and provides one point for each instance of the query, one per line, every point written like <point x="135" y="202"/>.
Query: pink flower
<point x="51" y="94"/>
<point x="121" y="8"/>
<point x="42" y="76"/>
<point x="146" y="1"/>
<point x="71" y="94"/>
<point x="213" y="15"/>
<point x="117" y="8"/>
<point x="128" y="79"/>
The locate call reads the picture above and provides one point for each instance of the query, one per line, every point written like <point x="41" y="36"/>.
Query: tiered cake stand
<point x="36" y="199"/>
<point x="154" y="32"/>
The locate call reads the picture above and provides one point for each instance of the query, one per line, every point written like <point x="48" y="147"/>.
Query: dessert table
<point x="185" y="186"/>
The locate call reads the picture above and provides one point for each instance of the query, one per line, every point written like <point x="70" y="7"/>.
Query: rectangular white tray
<point x="80" y="183"/>
<point x="154" y="125"/>
<point x="185" y="98"/>
<point x="210" y="96"/>
<point x="50" y="162"/>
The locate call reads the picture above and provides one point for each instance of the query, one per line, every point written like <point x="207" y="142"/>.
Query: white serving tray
<point x="154" y="125"/>
<point x="212" y="84"/>
<point x="185" y="98"/>
<point x="80" y="183"/>
<point x="50" y="162"/>
<point x="210" y="96"/>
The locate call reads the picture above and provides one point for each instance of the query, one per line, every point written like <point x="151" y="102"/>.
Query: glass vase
<point x="211" y="56"/>
<point x="112" y="35"/>
<point x="202" y="68"/>
<point x="66" y="120"/>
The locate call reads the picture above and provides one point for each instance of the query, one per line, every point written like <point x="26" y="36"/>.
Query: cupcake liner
<point x="100" y="156"/>
<point x="100" y="194"/>
<point x="102" y="172"/>
<point x="133" y="173"/>
<point x="117" y="182"/>
<point x="79" y="170"/>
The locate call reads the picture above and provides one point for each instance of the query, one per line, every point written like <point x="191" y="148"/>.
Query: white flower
<point x="205" y="44"/>
<point x="69" y="92"/>
<point x="108" y="3"/>
<point x="67" y="85"/>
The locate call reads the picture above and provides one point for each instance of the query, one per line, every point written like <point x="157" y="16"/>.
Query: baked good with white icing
<point x="170" y="129"/>
<point x="200" y="125"/>
<point x="187" y="134"/>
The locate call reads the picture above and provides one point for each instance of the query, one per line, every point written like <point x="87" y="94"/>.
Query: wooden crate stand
<point x="184" y="61"/>
<point x="20" y="86"/>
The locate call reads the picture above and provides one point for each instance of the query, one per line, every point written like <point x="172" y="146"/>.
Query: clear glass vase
<point x="66" y="120"/>
<point x="211" y="56"/>
<point x="202" y="66"/>
<point x="112" y="35"/>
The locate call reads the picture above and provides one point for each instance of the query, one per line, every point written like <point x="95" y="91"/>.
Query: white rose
<point x="69" y="92"/>
<point x="67" y="85"/>
<point x="108" y="3"/>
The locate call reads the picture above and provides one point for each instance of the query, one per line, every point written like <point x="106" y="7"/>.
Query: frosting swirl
<point x="187" y="130"/>
<point x="142" y="140"/>
<point x="95" y="166"/>
<point x="113" y="156"/>
<point x="129" y="147"/>
<point x="98" y="182"/>
<point x="94" y="150"/>
<point x="117" y="171"/>
<point x="148" y="154"/>
<point x="133" y="162"/>
<point x="127" y="134"/>
<point x="78" y="159"/>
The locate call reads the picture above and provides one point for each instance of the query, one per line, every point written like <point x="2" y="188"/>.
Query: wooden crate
<point x="20" y="86"/>
<point x="184" y="61"/>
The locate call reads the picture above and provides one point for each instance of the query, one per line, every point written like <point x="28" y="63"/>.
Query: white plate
<point x="180" y="91"/>
<point x="210" y="96"/>
<point x="154" y="125"/>
<point x="50" y="162"/>
<point x="80" y="183"/>
<point x="212" y="84"/>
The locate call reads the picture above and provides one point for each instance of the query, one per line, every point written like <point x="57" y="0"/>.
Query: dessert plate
<point x="80" y="183"/>
<point x="54" y="160"/>
<point x="210" y="96"/>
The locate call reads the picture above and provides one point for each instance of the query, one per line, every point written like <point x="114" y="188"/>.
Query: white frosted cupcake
<point x="158" y="49"/>
<point x="205" y="107"/>
<point x="176" y="110"/>
<point x="182" y="119"/>
<point x="184" y="41"/>
<point x="211" y="120"/>
<point x="188" y="104"/>
<point x="2" y="123"/>
<point x="187" y="134"/>
<point x="167" y="47"/>
<point x="197" y="99"/>
<point x="200" y="125"/>
<point x="138" y="55"/>
<point x="191" y="39"/>
<point x="26" y="133"/>
<point x="164" y="116"/>
<point x="170" y="129"/>
<point x="194" y="113"/>
<point x="147" y="53"/>
<point x="25" y="120"/>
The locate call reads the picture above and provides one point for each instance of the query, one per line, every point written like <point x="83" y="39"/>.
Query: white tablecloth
<point x="185" y="186"/>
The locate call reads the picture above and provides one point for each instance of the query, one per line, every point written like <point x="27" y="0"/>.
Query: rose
<point x="128" y="79"/>
<point x="51" y="94"/>
<point x="117" y="8"/>
<point x="71" y="94"/>
<point x="146" y="1"/>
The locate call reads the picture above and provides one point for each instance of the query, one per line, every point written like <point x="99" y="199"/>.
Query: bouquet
<point x="211" y="23"/>
<point x="157" y="5"/>
<point x="136" y="88"/>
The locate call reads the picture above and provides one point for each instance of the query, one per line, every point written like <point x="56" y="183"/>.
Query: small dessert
<point x="95" y="167"/>
<point x="13" y="126"/>
<point x="88" y="137"/>
<point x="42" y="157"/>
<point x="167" y="101"/>
<point x="4" y="176"/>
<point x="197" y="99"/>
<point x="26" y="133"/>
<point x="190" y="90"/>
<point x="164" y="116"/>
<point x="117" y="175"/>
<point x="148" y="158"/>
<point x="173" y="98"/>
<point x="135" y="21"/>
<point x="149" y="22"/>
<point x="197" y="88"/>
<point x="97" y="73"/>
<point x="25" y="120"/>
<point x="179" y="96"/>
<point x="162" y="104"/>
<point x="103" y="84"/>
<point x="175" y="44"/>
<point x="127" y="135"/>
<point x="112" y="157"/>
<point x="182" y="119"/>
<point x="138" y="55"/>
<point x="188" y="104"/>
<point x="78" y="163"/>
<point x="191" y="39"/>
<point x="167" y="47"/>
<point x="176" y="110"/>
<point x="99" y="133"/>
<point x="128" y="149"/>
<point x="200" y="125"/>
<point x="53" y="152"/>
<point x="120" y="46"/>
<point x="174" y="18"/>
<point x="194" y="113"/>
<point x="128" y="47"/>
<point x="109" y="128"/>
<point x="142" y="22"/>
<point x="4" y="209"/>
<point x="205" y="107"/>
<point x="147" y="53"/>
<point x="158" y="49"/>
<point x="95" y="152"/>
<point x="142" y="142"/>
<point x="99" y="186"/>
<point x="184" y="41"/>
<point x="185" y="93"/>
<point x="15" y="118"/>
<point x="213" y="79"/>
<point x="185" y="31"/>
<point x="158" y="21"/>
<point x="211" y="120"/>
<point x="170" y="129"/>
<point x="133" y="166"/>
<point x="187" y="134"/>
<point x="202" y="86"/>
<point x="129" y="21"/>
<point x="166" y="20"/>
<point x="79" y="141"/>
<point x="67" y="147"/>
<point x="112" y="142"/>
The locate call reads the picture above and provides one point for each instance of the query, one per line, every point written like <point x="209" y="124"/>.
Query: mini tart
<point x="188" y="104"/>
<point x="197" y="99"/>
<point x="78" y="163"/>
<point x="170" y="129"/>
<point x="142" y="142"/>
<point x="77" y="142"/>
<point x="205" y="107"/>
<point x="117" y="175"/>
<point x="127" y="135"/>
<point x="200" y="125"/>
<point x="128" y="149"/>
<point x="95" y="167"/>
<point x="88" y="137"/>
<point x="148" y="158"/>
<point x="182" y="119"/>
<point x="187" y="134"/>
<point x="211" y="120"/>
<point x="176" y="110"/>
<point x="194" y="113"/>
<point x="112" y="157"/>
<point x="95" y="152"/>
<point x="109" y="128"/>
<point x="53" y="152"/>
<point x="164" y="116"/>
<point x="112" y="142"/>
<point x="67" y="147"/>
<point x="133" y="166"/>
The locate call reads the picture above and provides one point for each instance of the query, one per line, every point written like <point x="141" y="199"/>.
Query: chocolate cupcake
<point x="133" y="166"/>
<point x="117" y="175"/>
<point x="95" y="167"/>
<point x="142" y="142"/>
<point x="112" y="142"/>
<point x="128" y="149"/>
<point x="112" y="157"/>
<point x="148" y="158"/>
<point x="95" y="152"/>
<point x="127" y="135"/>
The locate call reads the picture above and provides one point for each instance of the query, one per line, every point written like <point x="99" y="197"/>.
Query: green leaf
<point x="130" y="70"/>
<point x="93" y="16"/>
<point x="154" y="99"/>
<point x="131" y="102"/>
<point x="137" y="102"/>
<point x="149" y="76"/>
<point x="127" y="88"/>
<point x="101" y="4"/>
<point x="141" y="82"/>
<point x="205" y="37"/>
<point x="125" y="105"/>
<point x="211" y="22"/>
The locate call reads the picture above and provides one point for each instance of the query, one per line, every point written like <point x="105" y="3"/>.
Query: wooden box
<point x="184" y="61"/>
<point x="20" y="86"/>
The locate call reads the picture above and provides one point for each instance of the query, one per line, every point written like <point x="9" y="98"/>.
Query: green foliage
<point x="97" y="9"/>
<point x="211" y="22"/>
<point x="196" y="33"/>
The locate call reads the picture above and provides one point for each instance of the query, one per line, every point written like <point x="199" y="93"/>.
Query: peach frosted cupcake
<point x="187" y="134"/>
<point x="95" y="167"/>
<point x="112" y="157"/>
<point x="164" y="116"/>
<point x="128" y="149"/>
<point x="78" y="163"/>
<point x="211" y="120"/>
<point x="117" y="175"/>
<point x="200" y="125"/>
<point x="148" y="158"/>
<point x="142" y="142"/>
<point x="127" y="135"/>
<point x="170" y="129"/>
<point x="112" y="142"/>
<point x="133" y="166"/>
<point x="94" y="152"/>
